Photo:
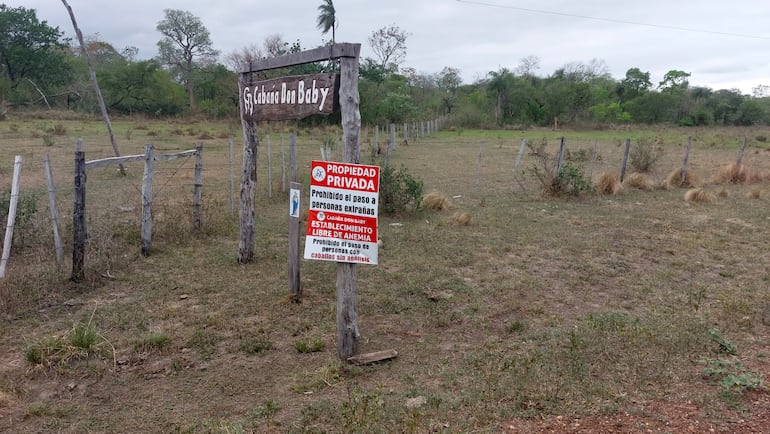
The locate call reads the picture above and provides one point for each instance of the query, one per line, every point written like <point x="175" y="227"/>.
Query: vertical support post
<point x="11" y="215"/>
<point x="683" y="172"/>
<point x="197" y="189"/>
<point x="376" y="150"/>
<point x="740" y="153"/>
<point x="560" y="159"/>
<point x="248" y="185"/>
<point x="406" y="134"/>
<point x="478" y="166"/>
<point x="625" y="160"/>
<point x="283" y="166"/>
<point x="294" y="240"/>
<point x="79" y="216"/>
<point x="149" y="168"/>
<point x="269" y="170"/>
<point x="54" y="211"/>
<point x="593" y="160"/>
<point x="230" y="165"/>
<point x="347" y="312"/>
<point x="519" y="155"/>
<point x="392" y="142"/>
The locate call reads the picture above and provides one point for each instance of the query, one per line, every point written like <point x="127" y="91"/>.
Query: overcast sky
<point x="724" y="45"/>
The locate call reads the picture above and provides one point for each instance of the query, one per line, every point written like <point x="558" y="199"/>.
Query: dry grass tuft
<point x="608" y="184"/>
<point x="675" y="179"/>
<point x="733" y="174"/>
<point x="698" y="195"/>
<point x="638" y="181"/>
<point x="723" y="193"/>
<point x="755" y="193"/>
<point x="461" y="218"/>
<point x="435" y="201"/>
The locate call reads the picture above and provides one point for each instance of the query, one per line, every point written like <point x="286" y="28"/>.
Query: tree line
<point x="41" y="68"/>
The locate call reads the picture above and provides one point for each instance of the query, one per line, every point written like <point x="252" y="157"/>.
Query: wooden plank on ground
<point x="369" y="358"/>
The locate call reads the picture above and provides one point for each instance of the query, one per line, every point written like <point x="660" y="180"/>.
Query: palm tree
<point x="327" y="18"/>
<point x="499" y="85"/>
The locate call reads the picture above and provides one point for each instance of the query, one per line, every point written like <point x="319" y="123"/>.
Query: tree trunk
<point x="97" y="90"/>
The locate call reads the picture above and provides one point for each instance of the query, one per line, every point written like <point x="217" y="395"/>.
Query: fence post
<point x="79" y="215"/>
<point x="248" y="187"/>
<point x="519" y="155"/>
<point x="347" y="311"/>
<point x="269" y="170"/>
<point x="283" y="166"/>
<point x="230" y="161"/>
<point x="625" y="160"/>
<point x="197" y="189"/>
<point x="740" y="153"/>
<point x="560" y="159"/>
<point x="294" y="240"/>
<point x="11" y="215"/>
<point x="149" y="168"/>
<point x="54" y="211"/>
<point x="392" y="143"/>
<point x="293" y="156"/>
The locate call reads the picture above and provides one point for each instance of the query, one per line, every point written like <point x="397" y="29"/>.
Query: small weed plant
<point x="569" y="180"/>
<point x="400" y="191"/>
<point x="312" y="345"/>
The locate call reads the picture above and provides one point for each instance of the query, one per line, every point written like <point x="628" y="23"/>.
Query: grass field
<point x="599" y="313"/>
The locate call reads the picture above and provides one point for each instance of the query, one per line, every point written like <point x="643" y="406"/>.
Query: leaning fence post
<point x="149" y="164"/>
<point x="740" y="153"/>
<point x="54" y="211"/>
<point x="625" y="160"/>
<point x="560" y="158"/>
<point x="79" y="215"/>
<point x="11" y="215"/>
<point x="198" y="186"/>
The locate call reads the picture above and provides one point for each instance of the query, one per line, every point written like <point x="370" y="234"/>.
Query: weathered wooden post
<point x="560" y="158"/>
<point x="269" y="170"/>
<point x="519" y="155"/>
<point x="740" y="153"/>
<point x="79" y="215"/>
<point x="283" y="166"/>
<point x="11" y="215"/>
<point x="198" y="187"/>
<point x="149" y="168"/>
<point x="54" y="211"/>
<point x="230" y="167"/>
<point x="625" y="160"/>
<point x="347" y="311"/>
<point x="248" y="179"/>
<point x="295" y="193"/>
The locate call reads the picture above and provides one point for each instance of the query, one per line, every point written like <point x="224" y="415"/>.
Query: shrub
<point x="570" y="180"/>
<point x="399" y="190"/>
<point x="644" y="155"/>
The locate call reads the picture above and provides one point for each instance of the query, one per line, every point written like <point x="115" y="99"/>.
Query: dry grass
<point x="638" y="181"/>
<point x="674" y="179"/>
<point x="698" y="195"/>
<point x="733" y="174"/>
<point x="539" y="307"/>
<point x="754" y="193"/>
<point x="609" y="184"/>
<point x="461" y="218"/>
<point x="435" y="201"/>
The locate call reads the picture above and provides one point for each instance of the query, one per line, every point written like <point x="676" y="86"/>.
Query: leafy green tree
<point x="327" y="18"/>
<point x="750" y="112"/>
<point x="635" y="84"/>
<point x="498" y="85"/>
<point x="724" y="104"/>
<point x="31" y="53"/>
<point x="185" y="47"/>
<point x="141" y="87"/>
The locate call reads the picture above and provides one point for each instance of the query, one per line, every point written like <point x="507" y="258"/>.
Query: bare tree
<point x="389" y="45"/>
<point x="237" y="60"/>
<point x="97" y="90"/>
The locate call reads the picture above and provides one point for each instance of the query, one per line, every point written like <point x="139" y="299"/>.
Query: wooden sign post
<point x="294" y="98"/>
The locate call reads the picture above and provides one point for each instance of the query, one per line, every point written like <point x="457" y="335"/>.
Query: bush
<point x="644" y="155"/>
<point x="399" y="190"/>
<point x="570" y="180"/>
